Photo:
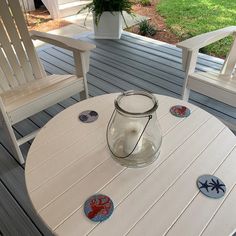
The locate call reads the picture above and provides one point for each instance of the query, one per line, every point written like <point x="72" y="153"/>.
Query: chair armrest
<point x="63" y="42"/>
<point x="197" y="42"/>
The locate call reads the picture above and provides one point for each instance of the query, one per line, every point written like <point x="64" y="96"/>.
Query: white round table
<point x="69" y="161"/>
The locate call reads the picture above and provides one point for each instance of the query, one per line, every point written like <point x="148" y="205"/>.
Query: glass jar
<point x="133" y="132"/>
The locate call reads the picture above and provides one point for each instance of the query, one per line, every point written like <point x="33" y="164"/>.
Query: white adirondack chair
<point x="25" y="89"/>
<point x="220" y="86"/>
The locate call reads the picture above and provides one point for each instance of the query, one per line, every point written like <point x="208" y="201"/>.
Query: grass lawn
<point x="188" y="18"/>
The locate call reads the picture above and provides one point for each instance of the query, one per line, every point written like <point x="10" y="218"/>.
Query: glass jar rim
<point x="132" y="92"/>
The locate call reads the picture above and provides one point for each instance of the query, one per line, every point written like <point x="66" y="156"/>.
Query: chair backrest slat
<point x="28" y="44"/>
<point x="4" y="86"/>
<point x="21" y="63"/>
<point x="11" y="56"/>
<point x="230" y="61"/>
<point x="16" y="41"/>
<point x="7" y="71"/>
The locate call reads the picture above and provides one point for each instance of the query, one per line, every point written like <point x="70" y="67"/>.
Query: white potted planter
<point x="107" y="17"/>
<point x="109" y="26"/>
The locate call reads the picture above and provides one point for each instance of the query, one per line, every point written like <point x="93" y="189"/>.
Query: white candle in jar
<point x="132" y="133"/>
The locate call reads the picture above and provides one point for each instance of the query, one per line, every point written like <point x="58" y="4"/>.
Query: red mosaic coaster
<point x="180" y="111"/>
<point x="98" y="207"/>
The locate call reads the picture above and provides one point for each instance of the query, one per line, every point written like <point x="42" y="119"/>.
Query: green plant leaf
<point x="100" y="6"/>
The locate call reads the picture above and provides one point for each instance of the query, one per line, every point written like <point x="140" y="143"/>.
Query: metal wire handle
<point x="149" y="118"/>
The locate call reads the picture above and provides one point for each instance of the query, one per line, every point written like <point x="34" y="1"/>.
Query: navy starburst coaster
<point x="88" y="116"/>
<point x="211" y="186"/>
<point x="98" y="207"/>
<point x="180" y="111"/>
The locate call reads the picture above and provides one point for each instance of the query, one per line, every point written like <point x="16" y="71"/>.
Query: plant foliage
<point x="145" y="2"/>
<point x="100" y="6"/>
<point x="146" y="29"/>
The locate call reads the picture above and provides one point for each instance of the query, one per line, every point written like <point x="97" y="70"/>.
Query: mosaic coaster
<point x="180" y="111"/>
<point x="88" y="116"/>
<point x="211" y="186"/>
<point x="98" y="207"/>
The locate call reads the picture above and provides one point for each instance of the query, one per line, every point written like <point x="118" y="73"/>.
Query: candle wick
<point x="134" y="131"/>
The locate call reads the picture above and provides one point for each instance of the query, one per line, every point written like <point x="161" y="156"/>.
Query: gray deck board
<point x="9" y="210"/>
<point x="133" y="62"/>
<point x="103" y="66"/>
<point x="171" y="49"/>
<point x="147" y="72"/>
<point x="19" y="210"/>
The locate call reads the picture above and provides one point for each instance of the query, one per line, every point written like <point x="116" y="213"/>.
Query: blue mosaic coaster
<point x="88" y="116"/>
<point x="180" y="111"/>
<point x="98" y="207"/>
<point x="211" y="186"/>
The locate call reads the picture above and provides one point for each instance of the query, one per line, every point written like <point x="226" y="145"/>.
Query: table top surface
<point x="69" y="161"/>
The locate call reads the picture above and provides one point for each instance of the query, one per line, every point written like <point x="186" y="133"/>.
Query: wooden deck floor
<point x="130" y="63"/>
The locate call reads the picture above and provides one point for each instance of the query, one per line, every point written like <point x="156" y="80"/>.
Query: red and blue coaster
<point x="98" y="207"/>
<point x="211" y="186"/>
<point x="88" y="116"/>
<point x="180" y="111"/>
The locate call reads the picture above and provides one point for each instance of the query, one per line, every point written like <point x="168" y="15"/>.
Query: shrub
<point x="145" y="2"/>
<point x="146" y="29"/>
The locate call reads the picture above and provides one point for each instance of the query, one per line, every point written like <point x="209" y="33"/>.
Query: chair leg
<point x="83" y="95"/>
<point x="185" y="94"/>
<point x="11" y="138"/>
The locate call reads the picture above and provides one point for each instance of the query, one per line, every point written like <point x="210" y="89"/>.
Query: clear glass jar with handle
<point x="133" y="132"/>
